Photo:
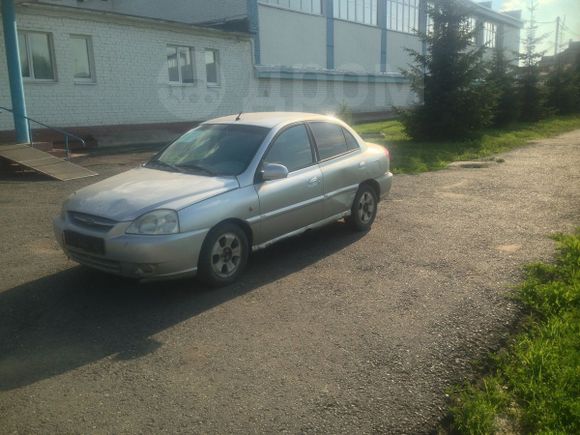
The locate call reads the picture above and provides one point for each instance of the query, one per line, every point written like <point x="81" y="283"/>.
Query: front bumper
<point x="136" y="256"/>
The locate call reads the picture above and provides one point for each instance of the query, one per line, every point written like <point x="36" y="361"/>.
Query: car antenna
<point x="239" y="116"/>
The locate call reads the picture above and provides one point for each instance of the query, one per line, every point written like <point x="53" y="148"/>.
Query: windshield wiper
<point x="164" y="165"/>
<point x="197" y="168"/>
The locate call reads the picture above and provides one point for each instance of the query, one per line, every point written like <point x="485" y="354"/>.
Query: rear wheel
<point x="224" y="255"/>
<point x="364" y="209"/>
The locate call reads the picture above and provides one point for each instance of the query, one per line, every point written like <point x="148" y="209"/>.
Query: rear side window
<point x="329" y="138"/>
<point x="351" y="142"/>
<point x="291" y="149"/>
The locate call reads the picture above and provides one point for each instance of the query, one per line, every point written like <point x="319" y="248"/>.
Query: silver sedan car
<point x="230" y="186"/>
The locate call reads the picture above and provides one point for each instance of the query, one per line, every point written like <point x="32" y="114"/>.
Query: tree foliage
<point x="531" y="92"/>
<point x="449" y="76"/>
<point x="561" y="91"/>
<point x="502" y="78"/>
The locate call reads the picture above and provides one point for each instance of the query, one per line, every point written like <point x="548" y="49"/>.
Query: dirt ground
<point x="330" y="332"/>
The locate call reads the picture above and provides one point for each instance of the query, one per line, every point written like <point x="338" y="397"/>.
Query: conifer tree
<point x="456" y="102"/>
<point x="502" y="77"/>
<point x="561" y="89"/>
<point x="532" y="95"/>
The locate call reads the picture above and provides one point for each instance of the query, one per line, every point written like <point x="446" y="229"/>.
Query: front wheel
<point x="364" y="209"/>
<point x="224" y="255"/>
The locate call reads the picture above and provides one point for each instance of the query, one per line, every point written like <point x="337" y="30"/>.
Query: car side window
<point x="351" y="142"/>
<point x="329" y="139"/>
<point x="291" y="149"/>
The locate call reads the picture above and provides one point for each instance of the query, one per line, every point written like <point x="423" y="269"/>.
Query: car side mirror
<point x="274" y="171"/>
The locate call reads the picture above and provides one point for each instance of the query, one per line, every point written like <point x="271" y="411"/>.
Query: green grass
<point x="408" y="156"/>
<point x="535" y="384"/>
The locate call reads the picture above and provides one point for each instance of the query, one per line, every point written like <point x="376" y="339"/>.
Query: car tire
<point x="224" y="255"/>
<point x="364" y="209"/>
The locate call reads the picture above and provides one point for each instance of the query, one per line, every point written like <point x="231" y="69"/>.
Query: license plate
<point x="91" y="244"/>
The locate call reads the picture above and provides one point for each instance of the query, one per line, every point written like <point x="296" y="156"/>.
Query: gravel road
<point x="330" y="332"/>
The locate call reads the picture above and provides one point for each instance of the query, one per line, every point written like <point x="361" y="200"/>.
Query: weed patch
<point x="535" y="384"/>
<point x="410" y="156"/>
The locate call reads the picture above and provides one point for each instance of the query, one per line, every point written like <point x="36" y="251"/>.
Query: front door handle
<point x="314" y="180"/>
<point x="362" y="165"/>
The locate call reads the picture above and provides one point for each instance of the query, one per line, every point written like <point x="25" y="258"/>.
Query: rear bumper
<point x="385" y="183"/>
<point x="137" y="256"/>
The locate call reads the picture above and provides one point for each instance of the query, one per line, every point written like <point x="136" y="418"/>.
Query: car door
<point x="296" y="201"/>
<point x="341" y="163"/>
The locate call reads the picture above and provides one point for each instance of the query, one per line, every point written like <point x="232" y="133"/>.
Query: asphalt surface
<point x="330" y="332"/>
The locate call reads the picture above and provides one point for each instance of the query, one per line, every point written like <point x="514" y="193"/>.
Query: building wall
<point x="188" y="11"/>
<point x="326" y="96"/>
<point x="511" y="41"/>
<point x="291" y="38"/>
<point x="357" y="47"/>
<point x="397" y="56"/>
<point x="132" y="85"/>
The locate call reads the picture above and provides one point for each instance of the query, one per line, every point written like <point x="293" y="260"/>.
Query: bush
<point x="344" y="113"/>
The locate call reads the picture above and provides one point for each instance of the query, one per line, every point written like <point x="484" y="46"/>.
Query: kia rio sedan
<point x="230" y="186"/>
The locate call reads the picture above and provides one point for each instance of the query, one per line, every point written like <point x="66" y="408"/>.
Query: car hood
<point x="128" y="195"/>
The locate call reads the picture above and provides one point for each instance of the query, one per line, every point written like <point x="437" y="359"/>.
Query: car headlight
<point x="155" y="222"/>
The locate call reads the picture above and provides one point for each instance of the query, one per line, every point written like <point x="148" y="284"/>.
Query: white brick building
<point x="94" y="66"/>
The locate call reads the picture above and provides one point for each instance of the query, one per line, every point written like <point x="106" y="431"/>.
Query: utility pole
<point x="556" y="42"/>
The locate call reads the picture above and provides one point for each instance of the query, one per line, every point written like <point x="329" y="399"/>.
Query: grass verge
<point x="409" y="156"/>
<point x="534" y="386"/>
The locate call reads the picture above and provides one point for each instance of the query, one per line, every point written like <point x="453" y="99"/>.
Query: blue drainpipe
<point x="14" y="71"/>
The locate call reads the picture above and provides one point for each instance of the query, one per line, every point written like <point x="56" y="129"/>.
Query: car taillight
<point x="387" y="153"/>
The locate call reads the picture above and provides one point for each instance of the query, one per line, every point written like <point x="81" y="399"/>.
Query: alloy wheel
<point x="226" y="255"/>
<point x="366" y="207"/>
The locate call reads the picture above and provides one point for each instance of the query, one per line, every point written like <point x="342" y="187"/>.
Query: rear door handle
<point x="362" y="164"/>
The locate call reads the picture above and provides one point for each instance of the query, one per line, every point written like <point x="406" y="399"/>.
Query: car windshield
<point x="212" y="149"/>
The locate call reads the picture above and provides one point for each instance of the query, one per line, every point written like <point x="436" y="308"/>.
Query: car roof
<point x="270" y="119"/>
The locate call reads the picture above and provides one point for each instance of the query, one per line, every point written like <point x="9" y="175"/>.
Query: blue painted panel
<point x="382" y="21"/>
<point x="423" y="23"/>
<point x="254" y="22"/>
<point x="329" y="11"/>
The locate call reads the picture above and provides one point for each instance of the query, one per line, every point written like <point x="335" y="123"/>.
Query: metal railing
<point x="66" y="134"/>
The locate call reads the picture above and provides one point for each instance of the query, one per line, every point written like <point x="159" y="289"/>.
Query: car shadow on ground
<point x="21" y="174"/>
<point x="63" y="321"/>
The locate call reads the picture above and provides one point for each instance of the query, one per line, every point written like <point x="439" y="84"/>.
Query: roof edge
<point x="59" y="10"/>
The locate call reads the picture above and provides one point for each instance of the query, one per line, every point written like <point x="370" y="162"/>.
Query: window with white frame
<point x="308" y="6"/>
<point x="180" y="65"/>
<point x="36" y="55"/>
<point x="82" y="55"/>
<point x="472" y="27"/>
<point x="430" y="25"/>
<point x="403" y="15"/>
<point x="489" y="34"/>
<point x="360" y="11"/>
<point x="212" y="71"/>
